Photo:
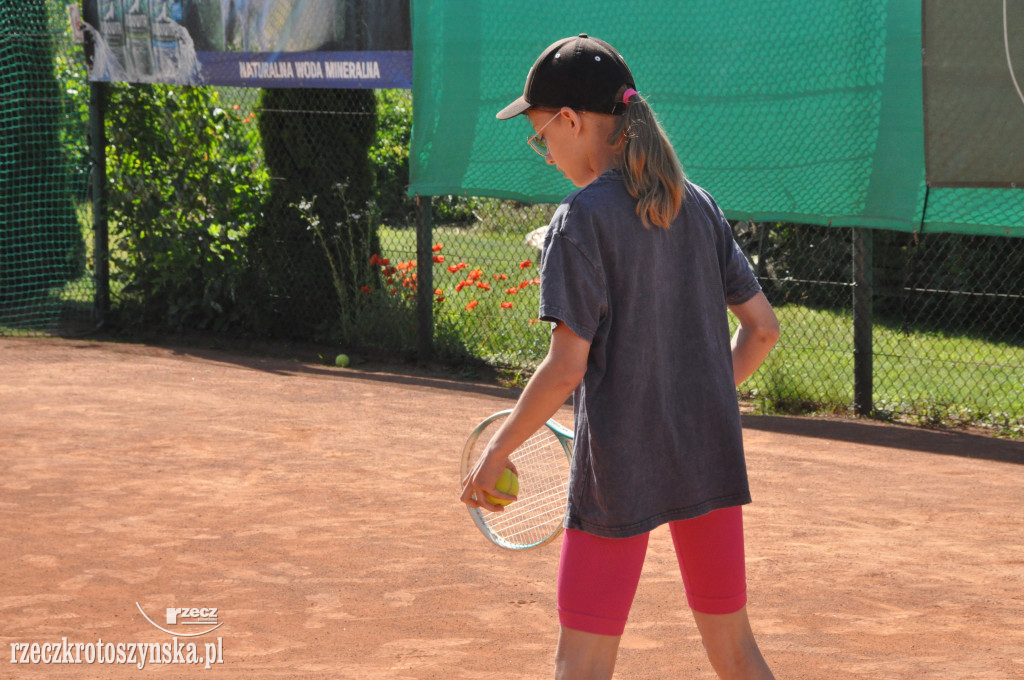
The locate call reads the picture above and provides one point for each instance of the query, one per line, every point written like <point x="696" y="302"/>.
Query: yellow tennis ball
<point x="341" y="360"/>
<point x="507" y="483"/>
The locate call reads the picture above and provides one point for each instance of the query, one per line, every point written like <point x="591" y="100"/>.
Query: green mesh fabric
<point x="41" y="247"/>
<point x="787" y="111"/>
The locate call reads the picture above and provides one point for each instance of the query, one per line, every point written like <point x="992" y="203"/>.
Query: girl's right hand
<point x="481" y="482"/>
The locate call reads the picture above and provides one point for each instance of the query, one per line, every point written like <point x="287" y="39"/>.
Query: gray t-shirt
<point x="657" y="423"/>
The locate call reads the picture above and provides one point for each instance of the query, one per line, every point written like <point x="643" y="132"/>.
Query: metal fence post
<point x="425" y="278"/>
<point x="863" y="245"/>
<point x="101" y="242"/>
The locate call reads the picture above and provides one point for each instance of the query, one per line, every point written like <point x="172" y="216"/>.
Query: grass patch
<point x="811" y="368"/>
<point x="925" y="378"/>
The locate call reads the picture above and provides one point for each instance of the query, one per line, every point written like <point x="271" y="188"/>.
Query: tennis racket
<point x="535" y="517"/>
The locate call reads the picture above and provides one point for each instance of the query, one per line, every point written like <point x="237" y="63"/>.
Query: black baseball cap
<point x="583" y="73"/>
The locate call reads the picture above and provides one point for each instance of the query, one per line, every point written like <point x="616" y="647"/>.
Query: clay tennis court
<point x="317" y="509"/>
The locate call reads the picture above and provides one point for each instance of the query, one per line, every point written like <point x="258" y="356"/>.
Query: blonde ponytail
<point x="652" y="172"/>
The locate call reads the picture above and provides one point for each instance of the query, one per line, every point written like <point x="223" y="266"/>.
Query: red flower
<point x="438" y="291"/>
<point x="437" y="247"/>
<point x="365" y="289"/>
<point x="476" y="274"/>
<point x="506" y="305"/>
<point x="438" y="258"/>
<point x="440" y="298"/>
<point x="511" y="291"/>
<point x="483" y="286"/>
<point x="525" y="264"/>
<point x="471" y="305"/>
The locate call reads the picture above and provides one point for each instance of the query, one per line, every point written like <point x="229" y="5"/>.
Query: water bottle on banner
<point x="166" y="31"/>
<point x="112" y="29"/>
<point x="138" y="41"/>
<point x="204" y="21"/>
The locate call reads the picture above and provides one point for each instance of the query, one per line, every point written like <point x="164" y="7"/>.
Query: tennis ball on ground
<point x="507" y="483"/>
<point x="341" y="360"/>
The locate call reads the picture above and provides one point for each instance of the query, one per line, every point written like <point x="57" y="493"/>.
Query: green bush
<point x="184" y="190"/>
<point x="390" y="157"/>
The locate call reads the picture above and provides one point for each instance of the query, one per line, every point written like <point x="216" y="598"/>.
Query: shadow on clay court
<point x="875" y="433"/>
<point x="395" y="374"/>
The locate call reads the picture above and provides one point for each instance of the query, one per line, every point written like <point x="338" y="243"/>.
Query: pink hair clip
<point x="627" y="94"/>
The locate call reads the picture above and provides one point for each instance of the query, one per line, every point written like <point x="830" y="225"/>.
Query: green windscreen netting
<point x="793" y="111"/>
<point x="41" y="246"/>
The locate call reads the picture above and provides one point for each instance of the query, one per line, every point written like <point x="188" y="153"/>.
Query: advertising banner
<point x="251" y="43"/>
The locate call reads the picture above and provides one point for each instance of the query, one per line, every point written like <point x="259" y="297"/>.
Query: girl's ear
<point x="574" y="120"/>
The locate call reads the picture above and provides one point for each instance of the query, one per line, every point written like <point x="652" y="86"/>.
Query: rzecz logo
<point x="187" y="616"/>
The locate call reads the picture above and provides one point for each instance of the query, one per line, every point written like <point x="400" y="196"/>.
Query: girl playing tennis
<point x="637" y="271"/>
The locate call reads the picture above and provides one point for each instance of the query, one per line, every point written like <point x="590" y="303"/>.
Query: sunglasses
<point x="538" y="143"/>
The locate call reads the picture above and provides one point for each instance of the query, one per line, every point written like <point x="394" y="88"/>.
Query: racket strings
<point x="543" y="484"/>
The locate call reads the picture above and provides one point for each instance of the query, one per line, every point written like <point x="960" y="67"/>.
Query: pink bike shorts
<point x="598" y="577"/>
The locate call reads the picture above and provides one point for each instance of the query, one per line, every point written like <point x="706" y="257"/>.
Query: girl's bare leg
<point x="585" y="656"/>
<point x="731" y="647"/>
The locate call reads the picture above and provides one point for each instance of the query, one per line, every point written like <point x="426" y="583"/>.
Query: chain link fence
<point x="946" y="324"/>
<point x="282" y="214"/>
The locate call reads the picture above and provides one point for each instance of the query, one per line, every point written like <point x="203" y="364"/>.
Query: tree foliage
<point x="316" y="146"/>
